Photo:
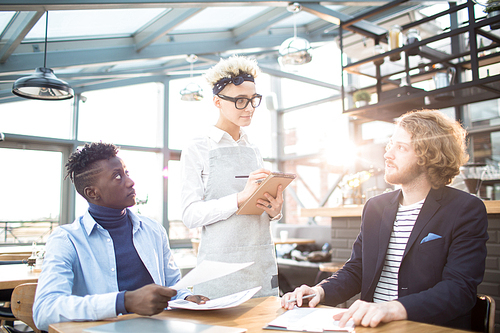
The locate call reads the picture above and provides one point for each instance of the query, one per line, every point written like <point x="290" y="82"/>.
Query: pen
<point x="303" y="297"/>
<point x="257" y="181"/>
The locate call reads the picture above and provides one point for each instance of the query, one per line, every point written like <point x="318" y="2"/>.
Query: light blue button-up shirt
<point x="79" y="280"/>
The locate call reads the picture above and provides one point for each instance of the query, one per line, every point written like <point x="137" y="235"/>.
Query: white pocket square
<point x="430" y="237"/>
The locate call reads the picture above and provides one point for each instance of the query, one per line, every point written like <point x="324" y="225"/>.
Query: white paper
<point x="208" y="270"/>
<point x="312" y="320"/>
<point x="218" y="303"/>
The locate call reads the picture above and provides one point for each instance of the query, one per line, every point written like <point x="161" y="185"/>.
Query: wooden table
<point x="293" y="241"/>
<point x="13" y="275"/>
<point x="252" y="315"/>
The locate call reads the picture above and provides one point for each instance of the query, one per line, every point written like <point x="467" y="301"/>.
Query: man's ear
<point x="92" y="193"/>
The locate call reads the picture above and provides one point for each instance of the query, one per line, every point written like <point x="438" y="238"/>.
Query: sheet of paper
<point x="208" y="270"/>
<point x="311" y="320"/>
<point x="218" y="303"/>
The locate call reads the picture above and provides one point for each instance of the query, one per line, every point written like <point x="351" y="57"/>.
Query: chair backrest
<point x="22" y="300"/>
<point x="483" y="314"/>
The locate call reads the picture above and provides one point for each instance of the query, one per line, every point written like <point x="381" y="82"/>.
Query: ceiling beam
<point x="364" y="28"/>
<point x="264" y="21"/>
<point x="310" y="104"/>
<point x="286" y="75"/>
<point x="108" y="4"/>
<point x="20" y="26"/>
<point x="163" y="26"/>
<point x="79" y="57"/>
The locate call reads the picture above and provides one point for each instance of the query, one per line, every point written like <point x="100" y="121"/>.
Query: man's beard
<point x="404" y="176"/>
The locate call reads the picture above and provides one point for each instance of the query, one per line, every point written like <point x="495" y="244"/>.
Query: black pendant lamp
<point x="43" y="84"/>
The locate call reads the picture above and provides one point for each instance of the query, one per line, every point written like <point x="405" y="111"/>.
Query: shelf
<point x="462" y="93"/>
<point x="395" y="100"/>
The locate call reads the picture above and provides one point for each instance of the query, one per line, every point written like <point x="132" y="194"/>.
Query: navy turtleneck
<point x="130" y="270"/>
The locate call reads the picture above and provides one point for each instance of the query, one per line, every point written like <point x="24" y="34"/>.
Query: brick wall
<point x="345" y="230"/>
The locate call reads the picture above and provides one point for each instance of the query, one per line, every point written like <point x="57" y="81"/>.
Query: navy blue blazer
<point x="438" y="278"/>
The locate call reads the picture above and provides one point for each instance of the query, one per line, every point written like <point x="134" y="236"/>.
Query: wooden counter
<point x="492" y="207"/>
<point x="252" y="315"/>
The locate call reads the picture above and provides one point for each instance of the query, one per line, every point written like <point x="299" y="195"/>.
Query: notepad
<point x="310" y="320"/>
<point x="160" y="326"/>
<point x="269" y="185"/>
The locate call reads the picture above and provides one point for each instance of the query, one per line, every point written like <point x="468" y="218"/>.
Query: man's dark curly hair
<point x="82" y="167"/>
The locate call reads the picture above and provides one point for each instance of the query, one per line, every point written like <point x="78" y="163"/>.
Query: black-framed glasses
<point x="241" y="102"/>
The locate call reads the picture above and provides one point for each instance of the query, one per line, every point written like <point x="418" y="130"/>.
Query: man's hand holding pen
<point x="301" y="295"/>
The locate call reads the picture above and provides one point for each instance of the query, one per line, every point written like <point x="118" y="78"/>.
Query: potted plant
<point x="493" y="9"/>
<point x="361" y="98"/>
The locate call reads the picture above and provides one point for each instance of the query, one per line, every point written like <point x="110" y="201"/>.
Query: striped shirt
<point x="387" y="286"/>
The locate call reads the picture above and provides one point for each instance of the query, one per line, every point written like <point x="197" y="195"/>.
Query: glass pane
<point x="376" y="131"/>
<point x="93" y="23"/>
<point x="177" y="229"/>
<point x="485" y="113"/>
<point x="208" y="19"/>
<point x="146" y="170"/>
<point x="316" y="129"/>
<point x="38" y="118"/>
<point x="188" y="119"/>
<point x="5" y="18"/>
<point x="31" y="194"/>
<point x="325" y="67"/>
<point x="128" y="116"/>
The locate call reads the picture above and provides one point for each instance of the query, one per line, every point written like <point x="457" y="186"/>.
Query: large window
<point x="128" y="116"/>
<point x="30" y="195"/>
<point x="37" y="118"/>
<point x="34" y="197"/>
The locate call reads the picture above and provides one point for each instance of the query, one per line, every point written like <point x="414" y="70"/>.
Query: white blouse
<point x="196" y="211"/>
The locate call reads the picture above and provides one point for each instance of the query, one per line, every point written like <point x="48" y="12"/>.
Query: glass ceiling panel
<point x="5" y="18"/>
<point x="301" y="18"/>
<point x="93" y="23"/>
<point x="209" y="19"/>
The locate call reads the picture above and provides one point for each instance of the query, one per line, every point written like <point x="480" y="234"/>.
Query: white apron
<point x="240" y="238"/>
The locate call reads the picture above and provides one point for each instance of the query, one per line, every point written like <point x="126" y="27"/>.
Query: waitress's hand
<point x="273" y="205"/>
<point x="252" y="184"/>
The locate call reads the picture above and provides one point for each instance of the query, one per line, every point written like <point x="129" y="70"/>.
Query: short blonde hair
<point x="231" y="67"/>
<point x="439" y="142"/>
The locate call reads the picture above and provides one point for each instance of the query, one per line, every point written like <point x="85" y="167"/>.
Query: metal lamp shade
<point x="295" y="51"/>
<point x="192" y="92"/>
<point x="44" y="85"/>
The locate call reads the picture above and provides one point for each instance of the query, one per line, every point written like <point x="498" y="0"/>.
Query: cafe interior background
<point x="131" y="74"/>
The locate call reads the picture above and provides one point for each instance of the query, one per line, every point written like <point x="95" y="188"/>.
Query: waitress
<point x="211" y="194"/>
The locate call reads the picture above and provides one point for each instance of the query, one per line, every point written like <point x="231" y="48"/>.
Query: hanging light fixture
<point x="192" y="92"/>
<point x="43" y="84"/>
<point x="295" y="50"/>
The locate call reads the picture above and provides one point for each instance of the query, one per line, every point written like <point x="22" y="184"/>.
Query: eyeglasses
<point x="241" y="102"/>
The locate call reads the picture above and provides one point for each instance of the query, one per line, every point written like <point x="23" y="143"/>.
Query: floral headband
<point x="236" y="80"/>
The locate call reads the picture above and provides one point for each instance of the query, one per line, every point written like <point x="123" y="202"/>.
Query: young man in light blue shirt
<point x="108" y="261"/>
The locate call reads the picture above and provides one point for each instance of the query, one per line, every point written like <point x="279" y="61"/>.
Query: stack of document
<point x="218" y="303"/>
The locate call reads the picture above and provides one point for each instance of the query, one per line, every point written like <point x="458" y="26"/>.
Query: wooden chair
<point x="22" y="300"/>
<point x="483" y="314"/>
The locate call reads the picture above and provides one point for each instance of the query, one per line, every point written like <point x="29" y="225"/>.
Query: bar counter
<point x="492" y="207"/>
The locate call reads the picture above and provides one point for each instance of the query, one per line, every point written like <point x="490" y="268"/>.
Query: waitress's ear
<point x="217" y="101"/>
